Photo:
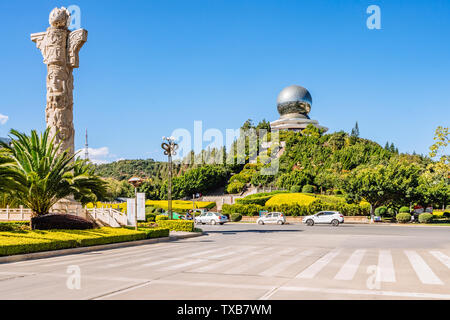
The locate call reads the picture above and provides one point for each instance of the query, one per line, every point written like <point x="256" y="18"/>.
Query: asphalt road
<point x="247" y="261"/>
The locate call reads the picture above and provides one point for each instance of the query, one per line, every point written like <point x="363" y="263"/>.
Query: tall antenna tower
<point x="86" y="148"/>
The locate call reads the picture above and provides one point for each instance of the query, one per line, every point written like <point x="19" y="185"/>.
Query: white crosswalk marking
<point x="423" y="271"/>
<point x="441" y="257"/>
<point x="386" y="272"/>
<point x="183" y="265"/>
<point x="200" y="253"/>
<point x="229" y="253"/>
<point x="248" y="266"/>
<point x="317" y="266"/>
<point x="220" y="264"/>
<point x="283" y="265"/>
<point x="286" y="251"/>
<point x="125" y="262"/>
<point x="155" y="263"/>
<point x="348" y="270"/>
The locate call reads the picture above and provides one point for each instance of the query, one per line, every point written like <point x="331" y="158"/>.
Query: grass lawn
<point x="27" y="241"/>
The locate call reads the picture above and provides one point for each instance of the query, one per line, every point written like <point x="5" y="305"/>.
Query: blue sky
<point x="150" y="67"/>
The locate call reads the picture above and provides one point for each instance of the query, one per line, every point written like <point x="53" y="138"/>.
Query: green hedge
<point x="259" y="201"/>
<point x="22" y="242"/>
<point x="426" y="218"/>
<point x="244" y="209"/>
<point x="403" y="217"/>
<point x="404" y="210"/>
<point x="13" y="225"/>
<point x="161" y="217"/>
<point x="177" y="225"/>
<point x="236" y="217"/>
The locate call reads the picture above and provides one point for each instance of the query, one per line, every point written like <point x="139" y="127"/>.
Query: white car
<point x="324" y="217"/>
<point x="272" y="217"/>
<point x="211" y="218"/>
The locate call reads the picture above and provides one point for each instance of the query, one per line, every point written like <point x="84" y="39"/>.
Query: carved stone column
<point x="60" y="49"/>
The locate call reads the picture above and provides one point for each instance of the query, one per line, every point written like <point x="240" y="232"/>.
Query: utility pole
<point x="86" y="147"/>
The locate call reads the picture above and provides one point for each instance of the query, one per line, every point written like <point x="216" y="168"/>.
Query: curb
<point x="63" y="252"/>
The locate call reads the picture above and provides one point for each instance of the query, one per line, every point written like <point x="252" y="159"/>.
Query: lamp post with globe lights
<point x="170" y="149"/>
<point x="135" y="182"/>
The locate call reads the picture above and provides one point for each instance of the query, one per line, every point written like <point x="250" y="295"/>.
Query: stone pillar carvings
<point x="60" y="49"/>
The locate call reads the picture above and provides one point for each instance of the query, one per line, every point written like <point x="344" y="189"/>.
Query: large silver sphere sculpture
<point x="294" y="100"/>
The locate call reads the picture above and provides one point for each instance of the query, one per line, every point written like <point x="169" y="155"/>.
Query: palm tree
<point x="40" y="175"/>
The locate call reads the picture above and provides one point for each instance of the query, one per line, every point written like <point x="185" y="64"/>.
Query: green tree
<point x="441" y="139"/>
<point x="434" y="187"/>
<point x="42" y="176"/>
<point x="392" y="184"/>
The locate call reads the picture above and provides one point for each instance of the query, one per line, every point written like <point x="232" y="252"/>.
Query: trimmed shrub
<point x="404" y="210"/>
<point x="235" y="186"/>
<point x="177" y="225"/>
<point x="291" y="198"/>
<point x="61" y="221"/>
<point x="403" y="217"/>
<point x="35" y="241"/>
<point x="426" y="218"/>
<point x="381" y="211"/>
<point x="147" y="225"/>
<point x="155" y="232"/>
<point x="14" y="226"/>
<point x="446" y="214"/>
<point x="259" y="201"/>
<point x="161" y="217"/>
<point x="308" y="188"/>
<point x="236" y="217"/>
<point x="150" y="217"/>
<point x="296" y="189"/>
<point x="244" y="209"/>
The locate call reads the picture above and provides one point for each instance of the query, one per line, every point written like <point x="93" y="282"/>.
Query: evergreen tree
<point x="355" y="131"/>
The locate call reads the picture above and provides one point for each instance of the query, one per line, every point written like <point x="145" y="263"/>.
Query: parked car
<point x="211" y="218"/>
<point x="272" y="217"/>
<point x="324" y="217"/>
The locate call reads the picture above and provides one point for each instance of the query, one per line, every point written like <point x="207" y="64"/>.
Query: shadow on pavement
<point x="251" y="231"/>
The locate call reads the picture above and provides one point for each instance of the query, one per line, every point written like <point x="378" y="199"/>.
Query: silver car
<point x="324" y="217"/>
<point x="211" y="218"/>
<point x="272" y="217"/>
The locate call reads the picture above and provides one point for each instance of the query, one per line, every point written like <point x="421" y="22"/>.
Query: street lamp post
<point x="170" y="148"/>
<point x="136" y="182"/>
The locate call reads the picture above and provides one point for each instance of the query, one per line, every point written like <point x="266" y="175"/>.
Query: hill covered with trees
<point x="337" y="163"/>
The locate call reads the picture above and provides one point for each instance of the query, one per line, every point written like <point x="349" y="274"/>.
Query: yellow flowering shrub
<point x="291" y="198"/>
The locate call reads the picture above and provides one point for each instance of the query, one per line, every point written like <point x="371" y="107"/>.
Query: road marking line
<point x="88" y="259"/>
<point x="286" y="251"/>
<point x="317" y="266"/>
<point x="232" y="252"/>
<point x="442" y="258"/>
<point x="423" y="271"/>
<point x="281" y="266"/>
<point x="348" y="270"/>
<point x="134" y="261"/>
<point x="370" y="292"/>
<point x="196" y="254"/>
<point x="182" y="265"/>
<point x="248" y="266"/>
<point x="289" y="288"/>
<point x="386" y="272"/>
<point x="155" y="263"/>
